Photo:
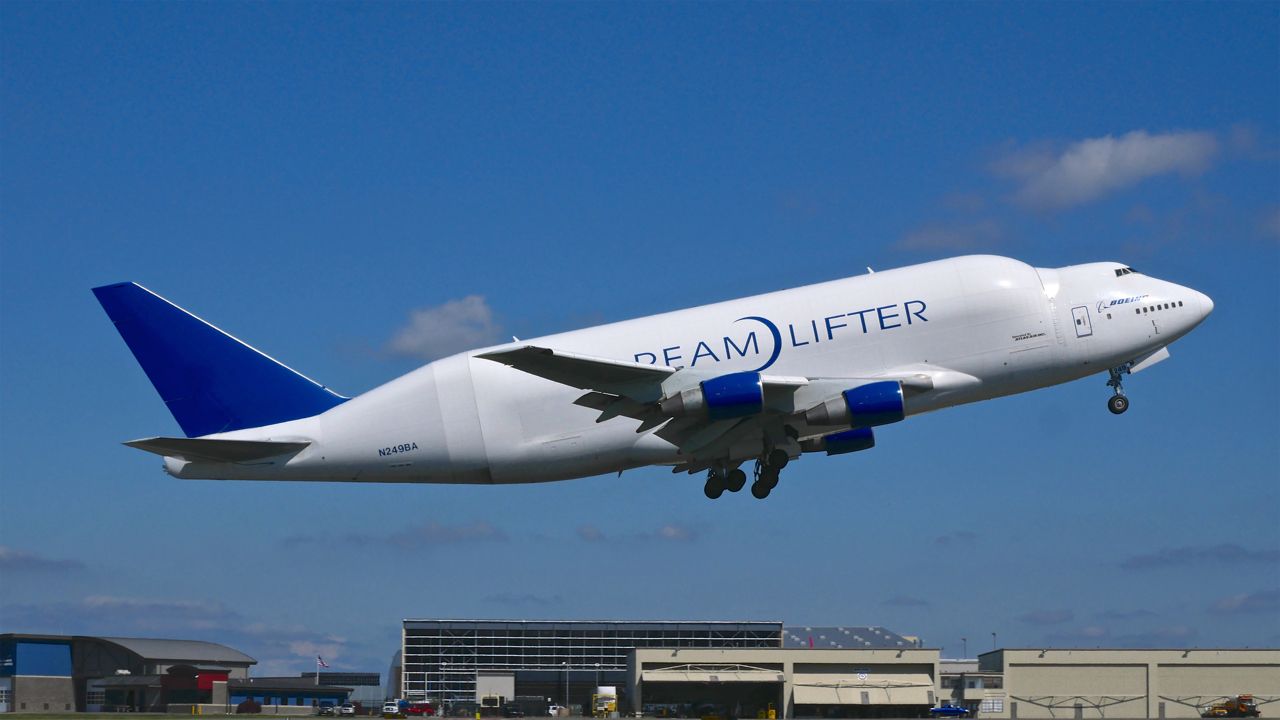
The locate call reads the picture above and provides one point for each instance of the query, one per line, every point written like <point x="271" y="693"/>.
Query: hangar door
<point x="739" y="691"/>
<point x="863" y="694"/>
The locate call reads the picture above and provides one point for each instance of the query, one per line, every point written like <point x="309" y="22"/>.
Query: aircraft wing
<point x="617" y="377"/>
<point x="643" y="392"/>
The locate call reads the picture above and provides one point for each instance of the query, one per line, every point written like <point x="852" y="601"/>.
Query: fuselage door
<point x="1080" y="315"/>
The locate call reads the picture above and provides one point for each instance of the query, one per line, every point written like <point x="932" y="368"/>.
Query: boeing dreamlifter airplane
<point x="762" y="379"/>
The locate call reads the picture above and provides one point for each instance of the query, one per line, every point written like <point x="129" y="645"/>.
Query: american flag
<point x="320" y="661"/>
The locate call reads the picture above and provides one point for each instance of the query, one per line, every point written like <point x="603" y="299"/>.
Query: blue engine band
<point x="734" y="395"/>
<point x="850" y="441"/>
<point x="878" y="403"/>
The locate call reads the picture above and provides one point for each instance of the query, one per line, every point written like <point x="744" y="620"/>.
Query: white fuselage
<point x="982" y="326"/>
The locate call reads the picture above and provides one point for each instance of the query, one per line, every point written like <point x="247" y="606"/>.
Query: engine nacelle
<point x="877" y="403"/>
<point x="720" y="398"/>
<point x="843" y="442"/>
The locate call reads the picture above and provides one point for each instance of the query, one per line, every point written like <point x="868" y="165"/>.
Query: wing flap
<point x="217" y="450"/>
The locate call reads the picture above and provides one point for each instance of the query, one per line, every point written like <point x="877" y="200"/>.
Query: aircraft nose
<point x="1206" y="305"/>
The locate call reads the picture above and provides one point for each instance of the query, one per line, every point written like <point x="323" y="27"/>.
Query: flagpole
<point x="317" y="670"/>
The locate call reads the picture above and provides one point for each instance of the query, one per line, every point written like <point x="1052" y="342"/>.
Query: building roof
<point x="119" y="681"/>
<point x="847" y="637"/>
<point x="284" y="683"/>
<point x="593" y="622"/>
<point x="35" y="637"/>
<point x="189" y="651"/>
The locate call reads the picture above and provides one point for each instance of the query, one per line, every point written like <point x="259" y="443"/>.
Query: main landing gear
<point x="720" y="479"/>
<point x="764" y="478"/>
<point x="766" y="473"/>
<point x="1118" y="403"/>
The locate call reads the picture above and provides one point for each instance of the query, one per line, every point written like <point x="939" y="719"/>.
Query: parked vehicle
<point x="418" y="709"/>
<point x="1240" y="706"/>
<point x="326" y="707"/>
<point x="391" y="710"/>
<point x="948" y="710"/>
<point x="347" y="709"/>
<point x="512" y="710"/>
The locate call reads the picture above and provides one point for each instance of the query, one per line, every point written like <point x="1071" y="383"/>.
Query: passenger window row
<point x="1125" y="271"/>
<point x="1157" y="306"/>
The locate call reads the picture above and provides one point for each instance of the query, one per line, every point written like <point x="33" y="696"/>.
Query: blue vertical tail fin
<point x="210" y="381"/>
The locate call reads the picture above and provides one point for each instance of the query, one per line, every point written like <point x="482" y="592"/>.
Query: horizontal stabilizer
<point x="217" y="450"/>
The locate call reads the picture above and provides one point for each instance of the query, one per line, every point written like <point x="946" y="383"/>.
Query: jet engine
<point x="846" y="441"/>
<point x="877" y="403"/>
<point x="721" y="398"/>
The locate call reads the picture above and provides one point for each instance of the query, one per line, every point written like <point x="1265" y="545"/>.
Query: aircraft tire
<point x="760" y="490"/>
<point x="735" y="480"/>
<point x="713" y="490"/>
<point x="1117" y="404"/>
<point x="778" y="459"/>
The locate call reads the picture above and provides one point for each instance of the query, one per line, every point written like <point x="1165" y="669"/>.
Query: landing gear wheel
<point x="713" y="489"/>
<point x="735" y="480"/>
<point x="766" y="481"/>
<point x="1117" y="404"/>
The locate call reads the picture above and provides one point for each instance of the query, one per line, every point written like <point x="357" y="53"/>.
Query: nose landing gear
<point x="1118" y="403"/>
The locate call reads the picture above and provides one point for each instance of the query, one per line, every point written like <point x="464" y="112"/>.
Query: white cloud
<point x="677" y="533"/>
<point x="457" y="325"/>
<point x="15" y="561"/>
<point x="1092" y="168"/>
<point x="590" y="533"/>
<point x="434" y="533"/>
<point x="963" y="236"/>
<point x="1263" y="602"/>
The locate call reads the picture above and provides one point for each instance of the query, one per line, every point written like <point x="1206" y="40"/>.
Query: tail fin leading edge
<point x="210" y="381"/>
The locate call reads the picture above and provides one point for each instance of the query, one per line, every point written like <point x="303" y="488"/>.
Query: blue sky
<point x="356" y="187"/>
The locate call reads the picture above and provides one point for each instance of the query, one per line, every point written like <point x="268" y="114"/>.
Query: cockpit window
<point x="1124" y="271"/>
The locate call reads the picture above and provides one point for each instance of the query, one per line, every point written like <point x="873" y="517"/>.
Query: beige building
<point x="795" y="682"/>
<point x="1126" y="683"/>
<point x="907" y="682"/>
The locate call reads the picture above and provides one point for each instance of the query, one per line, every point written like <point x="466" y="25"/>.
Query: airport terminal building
<point x="79" y="673"/>
<point x="747" y="669"/>
<point x="462" y="660"/>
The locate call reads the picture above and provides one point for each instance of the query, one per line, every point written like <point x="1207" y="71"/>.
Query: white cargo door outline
<point x="1081" y="316"/>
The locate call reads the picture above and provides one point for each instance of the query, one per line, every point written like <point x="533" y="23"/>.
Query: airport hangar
<point x="845" y="672"/>
<point x="62" y="673"/>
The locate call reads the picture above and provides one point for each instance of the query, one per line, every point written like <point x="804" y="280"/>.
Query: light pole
<point x="993" y="641"/>
<point x="566" y="682"/>
<point x="444" y="675"/>
<point x="964" y="644"/>
<point x="597" y="675"/>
